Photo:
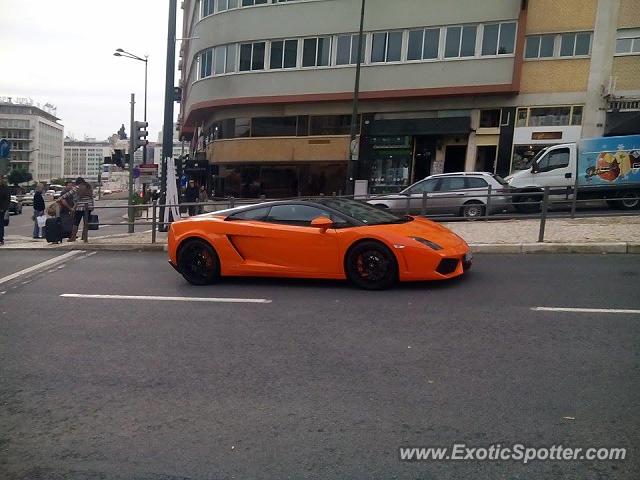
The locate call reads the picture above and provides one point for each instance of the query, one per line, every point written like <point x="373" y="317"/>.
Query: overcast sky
<point x="61" y="52"/>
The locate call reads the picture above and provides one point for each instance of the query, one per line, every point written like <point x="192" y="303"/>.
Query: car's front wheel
<point x="198" y="262"/>
<point x="372" y="266"/>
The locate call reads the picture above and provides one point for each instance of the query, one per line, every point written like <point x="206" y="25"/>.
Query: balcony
<point x="279" y="149"/>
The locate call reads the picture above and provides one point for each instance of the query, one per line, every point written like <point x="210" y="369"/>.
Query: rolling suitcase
<point x="53" y="229"/>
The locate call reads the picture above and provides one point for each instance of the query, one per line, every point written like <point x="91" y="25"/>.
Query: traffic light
<point x="118" y="158"/>
<point x="139" y="134"/>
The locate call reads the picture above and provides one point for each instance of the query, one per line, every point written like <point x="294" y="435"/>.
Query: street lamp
<point x="353" y="150"/>
<point x="123" y="53"/>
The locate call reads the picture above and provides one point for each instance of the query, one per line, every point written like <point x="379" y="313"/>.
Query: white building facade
<point x="35" y="135"/>
<point x="85" y="159"/>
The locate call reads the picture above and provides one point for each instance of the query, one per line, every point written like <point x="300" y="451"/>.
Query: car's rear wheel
<point x="372" y="266"/>
<point x="198" y="263"/>
<point x="473" y="210"/>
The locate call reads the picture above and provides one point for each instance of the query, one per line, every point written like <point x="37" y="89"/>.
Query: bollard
<point x="263" y="198"/>
<point x="543" y="217"/>
<point x="85" y="226"/>
<point x="153" y="221"/>
<point x="423" y="210"/>
<point x="487" y="208"/>
<point x="574" y="201"/>
<point x="232" y="202"/>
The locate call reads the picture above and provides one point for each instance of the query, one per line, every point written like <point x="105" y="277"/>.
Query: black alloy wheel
<point x="372" y="266"/>
<point x="198" y="263"/>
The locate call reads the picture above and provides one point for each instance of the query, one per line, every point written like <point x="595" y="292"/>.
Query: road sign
<point x="148" y="172"/>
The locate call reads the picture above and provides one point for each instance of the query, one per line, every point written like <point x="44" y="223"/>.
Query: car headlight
<point x="428" y="243"/>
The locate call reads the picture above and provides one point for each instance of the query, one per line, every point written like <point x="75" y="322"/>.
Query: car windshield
<point x="500" y="180"/>
<point x="362" y="212"/>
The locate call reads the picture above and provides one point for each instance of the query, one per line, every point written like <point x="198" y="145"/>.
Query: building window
<point x="252" y="56"/>
<point x="347" y="49"/>
<point x="386" y="47"/>
<point x="284" y="54"/>
<point x="316" y="52"/>
<point x="575" y="44"/>
<point x="499" y="38"/>
<point x="206" y="62"/>
<point x="628" y="42"/>
<point x="423" y="44"/>
<point x="539" y="46"/>
<point x="549" y="116"/>
<point x="330" y="125"/>
<point x="207" y="7"/>
<point x="249" y="3"/>
<point x="489" y="118"/>
<point x="460" y="41"/>
<point x="232" y="52"/>
<point x="242" y="127"/>
<point x="219" y="63"/>
<point x="274" y="126"/>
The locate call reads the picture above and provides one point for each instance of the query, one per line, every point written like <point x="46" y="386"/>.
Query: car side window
<point x="424" y="186"/>
<point x="299" y="215"/>
<point x="253" y="214"/>
<point x="476" y="182"/>
<point x="555" y="159"/>
<point x="451" y="183"/>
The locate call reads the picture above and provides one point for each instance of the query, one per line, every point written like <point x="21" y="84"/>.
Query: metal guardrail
<point x="546" y="206"/>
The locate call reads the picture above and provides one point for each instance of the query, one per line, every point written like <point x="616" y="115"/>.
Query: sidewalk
<point x="580" y="235"/>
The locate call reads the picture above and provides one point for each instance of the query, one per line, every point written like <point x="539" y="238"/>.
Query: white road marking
<point x="41" y="266"/>
<point x="167" y="299"/>
<point x="584" y="310"/>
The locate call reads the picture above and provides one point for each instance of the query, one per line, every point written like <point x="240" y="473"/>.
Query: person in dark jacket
<point x="5" y="202"/>
<point x="38" y="211"/>
<point x="191" y="196"/>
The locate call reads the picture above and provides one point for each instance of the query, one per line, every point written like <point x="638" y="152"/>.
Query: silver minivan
<point x="461" y="194"/>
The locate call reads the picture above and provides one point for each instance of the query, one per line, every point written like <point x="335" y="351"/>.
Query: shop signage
<point x="546" y="136"/>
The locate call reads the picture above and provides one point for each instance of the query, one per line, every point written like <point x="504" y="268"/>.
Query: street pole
<point x="146" y="63"/>
<point x="132" y="146"/>
<point x="351" y="166"/>
<point x="167" y="129"/>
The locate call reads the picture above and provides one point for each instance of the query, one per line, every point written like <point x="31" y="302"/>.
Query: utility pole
<point x="167" y="128"/>
<point x="353" y="147"/>
<point x="132" y="149"/>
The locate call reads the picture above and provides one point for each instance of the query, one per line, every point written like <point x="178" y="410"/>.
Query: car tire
<point x="198" y="263"/>
<point x="371" y="265"/>
<point x="628" y="200"/>
<point x="473" y="210"/>
<point x="532" y="203"/>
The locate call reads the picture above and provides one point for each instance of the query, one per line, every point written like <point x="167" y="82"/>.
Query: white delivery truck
<point x="596" y="168"/>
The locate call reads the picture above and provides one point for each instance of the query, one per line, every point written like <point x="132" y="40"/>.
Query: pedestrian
<point x="191" y="196"/>
<point x="38" y="211"/>
<point x="82" y="197"/>
<point x="5" y="202"/>
<point x="202" y="198"/>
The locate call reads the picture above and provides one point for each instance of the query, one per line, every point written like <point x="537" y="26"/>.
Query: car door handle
<point x="567" y="175"/>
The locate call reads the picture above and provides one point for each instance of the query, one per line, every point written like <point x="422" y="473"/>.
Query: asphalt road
<point x="325" y="381"/>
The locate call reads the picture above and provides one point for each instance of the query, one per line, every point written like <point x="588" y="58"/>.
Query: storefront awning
<point x="419" y="126"/>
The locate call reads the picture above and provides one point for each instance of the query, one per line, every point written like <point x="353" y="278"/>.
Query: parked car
<point x="461" y="194"/>
<point x="27" y="198"/>
<point x="331" y="238"/>
<point x="15" y="206"/>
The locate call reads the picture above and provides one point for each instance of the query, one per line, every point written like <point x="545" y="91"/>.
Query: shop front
<point x="540" y="127"/>
<point x="394" y="153"/>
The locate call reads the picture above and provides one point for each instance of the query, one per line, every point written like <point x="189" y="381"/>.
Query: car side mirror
<point x="534" y="168"/>
<point x="322" y="222"/>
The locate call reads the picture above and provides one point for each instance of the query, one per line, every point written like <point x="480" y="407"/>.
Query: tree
<point x="58" y="181"/>
<point x="19" y="175"/>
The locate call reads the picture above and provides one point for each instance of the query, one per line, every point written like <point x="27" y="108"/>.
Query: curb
<point x="532" y="248"/>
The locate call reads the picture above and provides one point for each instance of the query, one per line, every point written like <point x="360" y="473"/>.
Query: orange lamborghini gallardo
<point x="328" y="238"/>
